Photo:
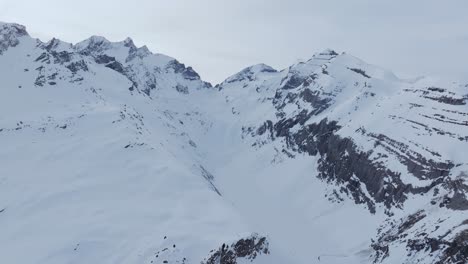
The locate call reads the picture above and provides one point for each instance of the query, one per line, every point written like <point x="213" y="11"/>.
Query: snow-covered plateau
<point x="112" y="154"/>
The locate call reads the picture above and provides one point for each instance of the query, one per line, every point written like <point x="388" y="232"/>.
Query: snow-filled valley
<point x="113" y="154"/>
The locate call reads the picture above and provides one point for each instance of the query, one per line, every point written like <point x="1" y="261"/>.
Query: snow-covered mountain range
<point x="113" y="154"/>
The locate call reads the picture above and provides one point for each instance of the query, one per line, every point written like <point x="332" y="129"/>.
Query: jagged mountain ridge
<point x="310" y="149"/>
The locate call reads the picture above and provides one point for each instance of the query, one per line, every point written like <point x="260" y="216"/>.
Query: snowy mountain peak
<point x="143" y="50"/>
<point x="13" y="29"/>
<point x="128" y="42"/>
<point x="57" y="45"/>
<point x="111" y="154"/>
<point x="261" y="67"/>
<point x="93" y="45"/>
<point x="250" y="74"/>
<point x="10" y="35"/>
<point x="122" y="51"/>
<point x="328" y="52"/>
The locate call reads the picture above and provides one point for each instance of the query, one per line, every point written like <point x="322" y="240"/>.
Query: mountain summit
<point x="114" y="154"/>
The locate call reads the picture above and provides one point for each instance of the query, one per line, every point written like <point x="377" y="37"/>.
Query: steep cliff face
<point x="113" y="154"/>
<point x="378" y="140"/>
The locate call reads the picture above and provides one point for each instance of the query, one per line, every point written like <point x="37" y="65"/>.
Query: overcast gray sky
<point x="219" y="38"/>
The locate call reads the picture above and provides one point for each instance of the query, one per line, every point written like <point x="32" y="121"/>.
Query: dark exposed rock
<point x="104" y="59"/>
<point x="187" y="72"/>
<point x="43" y="57"/>
<point x="40" y="79"/>
<point x="381" y="252"/>
<point x="266" y="127"/>
<point x="10" y="34"/>
<point x="116" y="66"/>
<point x="416" y="163"/>
<point x="94" y="45"/>
<point x="283" y="98"/>
<point x="110" y="63"/>
<point x="436" y="89"/>
<point x="329" y="52"/>
<point x="249" y="73"/>
<point x="457" y="250"/>
<point x="246" y="248"/>
<point x="137" y="53"/>
<point x="190" y="74"/>
<point x="411" y="221"/>
<point x="58" y="57"/>
<point x="53" y="43"/>
<point x="210" y="179"/>
<point x="313" y="97"/>
<point x="448" y="100"/>
<point x="128" y="42"/>
<point x="74" y="67"/>
<point x="14" y="29"/>
<point x="182" y="89"/>
<point x="245" y="74"/>
<point x="397" y="231"/>
<point x="453" y="251"/>
<point x="342" y="162"/>
<point x="176" y="66"/>
<point x="267" y="68"/>
<point x="360" y="71"/>
<point x="52" y="76"/>
<point x="292" y="82"/>
<point x="61" y="57"/>
<point x="150" y="84"/>
<point x="458" y="199"/>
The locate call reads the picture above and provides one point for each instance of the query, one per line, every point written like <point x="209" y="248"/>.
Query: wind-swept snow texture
<point x="112" y="154"/>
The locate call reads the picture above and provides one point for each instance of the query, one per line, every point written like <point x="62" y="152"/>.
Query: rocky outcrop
<point x="457" y="198"/>
<point x="244" y="249"/>
<point x="187" y="72"/>
<point x="360" y="71"/>
<point x="442" y="249"/>
<point x="342" y="162"/>
<point x="249" y="74"/>
<point x="10" y="35"/>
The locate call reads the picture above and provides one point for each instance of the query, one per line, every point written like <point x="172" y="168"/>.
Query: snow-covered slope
<point x="113" y="154"/>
